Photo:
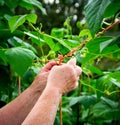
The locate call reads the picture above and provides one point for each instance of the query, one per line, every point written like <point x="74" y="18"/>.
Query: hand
<point x="40" y="81"/>
<point x="65" y="77"/>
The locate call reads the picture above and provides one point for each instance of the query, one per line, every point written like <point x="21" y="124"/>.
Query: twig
<point x="109" y="27"/>
<point x="19" y="85"/>
<point x="61" y="123"/>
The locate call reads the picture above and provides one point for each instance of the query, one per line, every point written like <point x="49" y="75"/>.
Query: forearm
<point x="44" y="111"/>
<point x="16" y="111"/>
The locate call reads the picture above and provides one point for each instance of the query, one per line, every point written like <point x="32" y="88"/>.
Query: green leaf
<point x="106" y="109"/>
<point x="100" y="109"/>
<point x="37" y="4"/>
<point x="7" y="16"/>
<point x="3" y="25"/>
<point x="6" y="33"/>
<point x="113" y="114"/>
<point x="49" y="41"/>
<point x="112" y="8"/>
<point x="103" y="45"/>
<point x="110" y="102"/>
<point x="1" y="2"/>
<point x="15" y="42"/>
<point x="110" y="45"/>
<point x="115" y="75"/>
<point x="57" y="35"/>
<point x="31" y="18"/>
<point x="62" y="42"/>
<point x="59" y="32"/>
<point x="17" y="21"/>
<point x="57" y="47"/>
<point x="35" y="39"/>
<point x="115" y="78"/>
<point x="5" y="10"/>
<point x="20" y="59"/>
<point x="72" y="43"/>
<point x="88" y="57"/>
<point x="94" y="12"/>
<point x="110" y="49"/>
<point x="94" y="45"/>
<point x="12" y="3"/>
<point x="2" y="55"/>
<point x="87" y="101"/>
<point x="28" y="6"/>
<point x="94" y="69"/>
<point x="74" y="101"/>
<point x="85" y="33"/>
<point x="39" y="39"/>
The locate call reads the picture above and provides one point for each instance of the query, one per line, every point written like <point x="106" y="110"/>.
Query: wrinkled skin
<point x="38" y="103"/>
<point x="40" y="81"/>
<point x="64" y="77"/>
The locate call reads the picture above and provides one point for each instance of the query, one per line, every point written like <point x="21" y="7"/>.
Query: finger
<point x="41" y="76"/>
<point x="78" y="70"/>
<point x="72" y="62"/>
<point x="48" y="66"/>
<point x="76" y="84"/>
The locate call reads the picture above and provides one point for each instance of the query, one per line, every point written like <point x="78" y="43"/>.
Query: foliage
<point x="25" y="48"/>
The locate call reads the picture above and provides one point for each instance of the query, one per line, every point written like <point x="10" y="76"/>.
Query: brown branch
<point x="109" y="27"/>
<point x="19" y="85"/>
<point x="61" y="112"/>
<point x="82" y="45"/>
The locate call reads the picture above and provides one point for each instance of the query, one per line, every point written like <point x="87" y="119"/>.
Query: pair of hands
<point x="64" y="78"/>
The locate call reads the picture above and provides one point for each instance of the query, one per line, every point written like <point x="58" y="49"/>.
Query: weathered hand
<point x="64" y="77"/>
<point x="40" y="81"/>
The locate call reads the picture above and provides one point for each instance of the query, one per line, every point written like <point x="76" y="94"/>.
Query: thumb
<point x="72" y="61"/>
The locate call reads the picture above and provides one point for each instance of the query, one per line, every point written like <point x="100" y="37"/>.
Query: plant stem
<point x="109" y="27"/>
<point x="19" y="85"/>
<point x="92" y="87"/>
<point x="61" y="112"/>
